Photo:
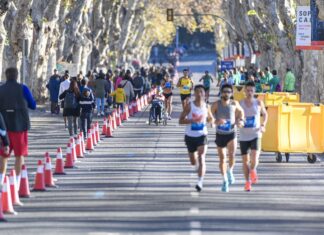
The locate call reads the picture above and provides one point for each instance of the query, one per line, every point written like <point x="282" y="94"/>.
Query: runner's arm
<point x="239" y="115"/>
<point x="183" y="117"/>
<point x="210" y="117"/>
<point x="264" y="113"/>
<point x="179" y="83"/>
<point x="213" y="111"/>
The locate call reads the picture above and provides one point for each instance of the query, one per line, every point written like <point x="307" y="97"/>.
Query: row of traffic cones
<point x="11" y="192"/>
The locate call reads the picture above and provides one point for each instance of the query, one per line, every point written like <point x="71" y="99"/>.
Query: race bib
<point x="168" y="85"/>
<point x="197" y="126"/>
<point x="250" y="122"/>
<point x="186" y="88"/>
<point x="225" y="127"/>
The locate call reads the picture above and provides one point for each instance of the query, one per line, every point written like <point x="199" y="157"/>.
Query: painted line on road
<point x="194" y="194"/>
<point x="194" y="210"/>
<point x="195" y="227"/>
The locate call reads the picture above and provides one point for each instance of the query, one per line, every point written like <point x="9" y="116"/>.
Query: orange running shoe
<point x="247" y="186"/>
<point x="254" y="176"/>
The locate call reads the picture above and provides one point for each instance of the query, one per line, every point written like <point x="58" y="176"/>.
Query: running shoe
<point x="254" y="176"/>
<point x="199" y="188"/>
<point x="231" y="178"/>
<point x="247" y="186"/>
<point x="225" y="187"/>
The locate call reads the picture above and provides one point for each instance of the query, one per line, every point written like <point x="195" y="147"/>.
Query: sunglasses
<point x="227" y="91"/>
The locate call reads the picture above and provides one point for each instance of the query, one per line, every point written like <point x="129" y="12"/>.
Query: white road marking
<point x="194" y="210"/>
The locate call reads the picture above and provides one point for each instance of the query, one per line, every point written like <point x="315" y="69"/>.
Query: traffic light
<point x="170" y="16"/>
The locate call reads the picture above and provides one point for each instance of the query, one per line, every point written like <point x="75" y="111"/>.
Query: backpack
<point x="70" y="101"/>
<point x="138" y="82"/>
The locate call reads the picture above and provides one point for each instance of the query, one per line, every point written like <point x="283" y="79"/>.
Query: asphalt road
<point x="140" y="182"/>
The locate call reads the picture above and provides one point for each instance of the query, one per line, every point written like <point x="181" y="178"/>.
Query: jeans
<point x="100" y="105"/>
<point x="55" y="109"/>
<point x="86" y="119"/>
<point x="138" y="94"/>
<point x="72" y="125"/>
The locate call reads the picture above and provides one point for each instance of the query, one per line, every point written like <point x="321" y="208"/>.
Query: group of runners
<point x="228" y="117"/>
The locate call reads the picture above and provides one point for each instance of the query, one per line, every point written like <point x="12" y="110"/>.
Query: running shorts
<point x="194" y="142"/>
<point x="18" y="144"/>
<point x="183" y="97"/>
<point x="223" y="140"/>
<point x="254" y="144"/>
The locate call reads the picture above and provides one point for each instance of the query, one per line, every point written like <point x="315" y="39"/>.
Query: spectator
<point x="290" y="81"/>
<point x="128" y="87"/>
<point x="274" y="83"/>
<point x="4" y="148"/>
<point x="15" y="99"/>
<point x="65" y="84"/>
<point x="54" y="87"/>
<point x="138" y="83"/>
<point x="87" y="104"/>
<point x="71" y="109"/>
<point x="100" y="88"/>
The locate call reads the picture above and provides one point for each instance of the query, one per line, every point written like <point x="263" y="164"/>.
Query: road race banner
<point x="308" y="29"/>
<point x="227" y="65"/>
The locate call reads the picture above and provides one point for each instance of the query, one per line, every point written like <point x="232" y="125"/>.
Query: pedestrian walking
<point x="100" y="86"/>
<point x="15" y="99"/>
<point x="65" y="84"/>
<point x="128" y="87"/>
<point x="87" y="105"/>
<point x="53" y="86"/>
<point x="4" y="149"/>
<point x="71" y="109"/>
<point x="120" y="97"/>
<point x="290" y="81"/>
<point x="138" y="83"/>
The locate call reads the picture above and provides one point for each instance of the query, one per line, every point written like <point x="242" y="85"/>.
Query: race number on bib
<point x="197" y="126"/>
<point x="250" y="122"/>
<point x="225" y="127"/>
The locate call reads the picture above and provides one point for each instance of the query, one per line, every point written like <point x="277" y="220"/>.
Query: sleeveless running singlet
<point x="197" y="129"/>
<point x="228" y="113"/>
<point x="251" y="128"/>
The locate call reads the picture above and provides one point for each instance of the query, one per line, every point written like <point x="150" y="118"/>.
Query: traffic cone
<point x="97" y="132"/>
<point x="139" y="105"/>
<point x="136" y="109"/>
<point x="89" y="141"/>
<point x="39" y="178"/>
<point x="109" y="131"/>
<point x="93" y="134"/>
<point x="79" y="152"/>
<point x="83" y="147"/>
<point x="142" y="102"/>
<point x="145" y="100"/>
<point x="24" y="191"/>
<point x="69" y="163"/>
<point x="7" y="206"/>
<point x="104" y="127"/>
<point x="59" y="165"/>
<point x="2" y="219"/>
<point x="14" y="189"/>
<point x="49" y="182"/>
<point x="73" y="152"/>
<point x="113" y="120"/>
<point x="127" y="112"/>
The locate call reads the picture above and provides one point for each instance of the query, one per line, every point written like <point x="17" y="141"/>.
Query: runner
<point x="206" y="80"/>
<point x="167" y="85"/>
<point x="228" y="115"/>
<point x="185" y="84"/>
<point x="251" y="133"/>
<point x="195" y="115"/>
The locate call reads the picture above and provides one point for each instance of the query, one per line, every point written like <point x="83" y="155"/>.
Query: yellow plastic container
<point x="278" y="98"/>
<point x="288" y="97"/>
<point x="294" y="128"/>
<point x="239" y="93"/>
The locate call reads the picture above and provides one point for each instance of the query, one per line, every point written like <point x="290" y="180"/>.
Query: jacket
<point x="290" y="81"/>
<point x="15" y="99"/>
<point x="87" y="104"/>
<point x="120" y="95"/>
<point x="100" y="87"/>
<point x="54" y="87"/>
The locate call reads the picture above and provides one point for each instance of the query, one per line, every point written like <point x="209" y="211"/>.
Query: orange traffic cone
<point x="2" y="219"/>
<point x="59" y="165"/>
<point x="93" y="135"/>
<point x="104" y="127"/>
<point x="14" y="189"/>
<point x="113" y="121"/>
<point x="109" y="131"/>
<point x="83" y="147"/>
<point x="73" y="152"/>
<point x="79" y="151"/>
<point x="142" y="102"/>
<point x="69" y="163"/>
<point x="136" y="106"/>
<point x="24" y="183"/>
<point x="39" y="178"/>
<point x="145" y="100"/>
<point x="7" y="206"/>
<point x="49" y="182"/>
<point x="89" y="141"/>
<point x="127" y="112"/>
<point x="97" y="132"/>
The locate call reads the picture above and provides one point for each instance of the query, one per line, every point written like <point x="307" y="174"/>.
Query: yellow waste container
<point x="238" y="93"/>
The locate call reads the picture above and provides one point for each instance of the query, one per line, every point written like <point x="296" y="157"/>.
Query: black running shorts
<point x="183" y="97"/>
<point x="223" y="140"/>
<point x="194" y="142"/>
<point x="254" y="144"/>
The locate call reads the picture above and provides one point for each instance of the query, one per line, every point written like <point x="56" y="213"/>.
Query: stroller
<point x="158" y="105"/>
